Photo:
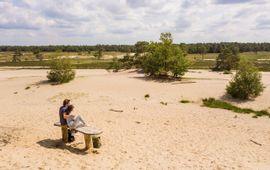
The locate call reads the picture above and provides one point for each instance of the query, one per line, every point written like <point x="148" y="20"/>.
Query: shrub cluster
<point x="246" y="83"/>
<point x="60" y="71"/>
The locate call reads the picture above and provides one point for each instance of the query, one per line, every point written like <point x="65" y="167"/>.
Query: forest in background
<point x="194" y="48"/>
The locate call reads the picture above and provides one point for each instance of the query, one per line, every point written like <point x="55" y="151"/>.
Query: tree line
<point x="194" y="48"/>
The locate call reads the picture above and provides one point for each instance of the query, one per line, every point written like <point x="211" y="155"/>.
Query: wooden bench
<point x="88" y="133"/>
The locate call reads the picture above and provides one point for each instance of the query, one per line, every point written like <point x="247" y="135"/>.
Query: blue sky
<point x="89" y="22"/>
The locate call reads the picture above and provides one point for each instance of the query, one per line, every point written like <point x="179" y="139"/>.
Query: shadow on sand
<point x="59" y="144"/>
<point x="173" y="81"/>
<point x="228" y="98"/>
<point x="44" y="82"/>
<point x="158" y="79"/>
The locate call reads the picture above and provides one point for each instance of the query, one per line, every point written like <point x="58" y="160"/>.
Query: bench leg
<point x="88" y="141"/>
<point x="64" y="134"/>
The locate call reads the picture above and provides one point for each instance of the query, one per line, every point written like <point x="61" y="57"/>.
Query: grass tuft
<point x="184" y="101"/>
<point x="213" y="103"/>
<point x="164" y="103"/>
<point x="146" y="96"/>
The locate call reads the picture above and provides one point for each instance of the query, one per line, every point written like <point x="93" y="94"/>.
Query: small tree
<point x="246" y="83"/>
<point x="98" y="54"/>
<point x="38" y="55"/>
<point x="202" y="50"/>
<point x="164" y="58"/>
<point x="227" y="59"/>
<point x="60" y="71"/>
<point x="17" y="56"/>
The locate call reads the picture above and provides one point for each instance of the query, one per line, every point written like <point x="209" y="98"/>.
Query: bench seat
<point x="87" y="131"/>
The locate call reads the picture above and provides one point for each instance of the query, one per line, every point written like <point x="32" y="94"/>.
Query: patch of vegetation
<point x="184" y="101"/>
<point x="246" y="83"/>
<point x="61" y="72"/>
<point x="213" y="103"/>
<point x="164" y="103"/>
<point x="227" y="72"/>
<point x="26" y="88"/>
<point x="17" y="56"/>
<point x="201" y="64"/>
<point x="98" y="54"/>
<point x="116" y="65"/>
<point x="146" y="96"/>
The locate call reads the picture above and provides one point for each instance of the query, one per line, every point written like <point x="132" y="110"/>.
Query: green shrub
<point x="60" y="71"/>
<point x="246" y="83"/>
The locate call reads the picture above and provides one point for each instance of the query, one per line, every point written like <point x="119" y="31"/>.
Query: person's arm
<point x="66" y="116"/>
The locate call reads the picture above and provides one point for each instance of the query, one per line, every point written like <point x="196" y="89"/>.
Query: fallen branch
<point x="255" y="142"/>
<point x="114" y="110"/>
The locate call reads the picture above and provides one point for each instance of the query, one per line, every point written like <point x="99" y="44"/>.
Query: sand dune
<point x="146" y="135"/>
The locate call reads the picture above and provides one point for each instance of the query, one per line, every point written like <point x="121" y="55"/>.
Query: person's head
<point x="66" y="102"/>
<point x="69" y="108"/>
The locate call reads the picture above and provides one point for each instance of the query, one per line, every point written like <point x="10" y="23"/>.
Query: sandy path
<point x="146" y="135"/>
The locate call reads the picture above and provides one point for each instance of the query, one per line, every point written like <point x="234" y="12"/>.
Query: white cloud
<point x="127" y="21"/>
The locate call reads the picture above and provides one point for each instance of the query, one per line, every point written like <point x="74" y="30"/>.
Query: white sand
<point x="146" y="135"/>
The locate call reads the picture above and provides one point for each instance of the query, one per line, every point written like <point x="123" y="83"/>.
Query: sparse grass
<point x="146" y="96"/>
<point x="76" y="63"/>
<point x="184" y="101"/>
<point x="164" y="103"/>
<point x="213" y="103"/>
<point x="210" y="60"/>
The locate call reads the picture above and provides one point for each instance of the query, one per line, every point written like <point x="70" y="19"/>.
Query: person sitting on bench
<point x="62" y="110"/>
<point x="72" y="121"/>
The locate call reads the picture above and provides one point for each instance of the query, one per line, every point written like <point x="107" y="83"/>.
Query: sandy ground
<point x="146" y="135"/>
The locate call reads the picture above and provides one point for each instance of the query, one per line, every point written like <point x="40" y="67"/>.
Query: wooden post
<point x="88" y="141"/>
<point x="64" y="133"/>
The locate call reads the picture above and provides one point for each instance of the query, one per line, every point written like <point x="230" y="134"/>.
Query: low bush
<point x="60" y="71"/>
<point x="246" y="83"/>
